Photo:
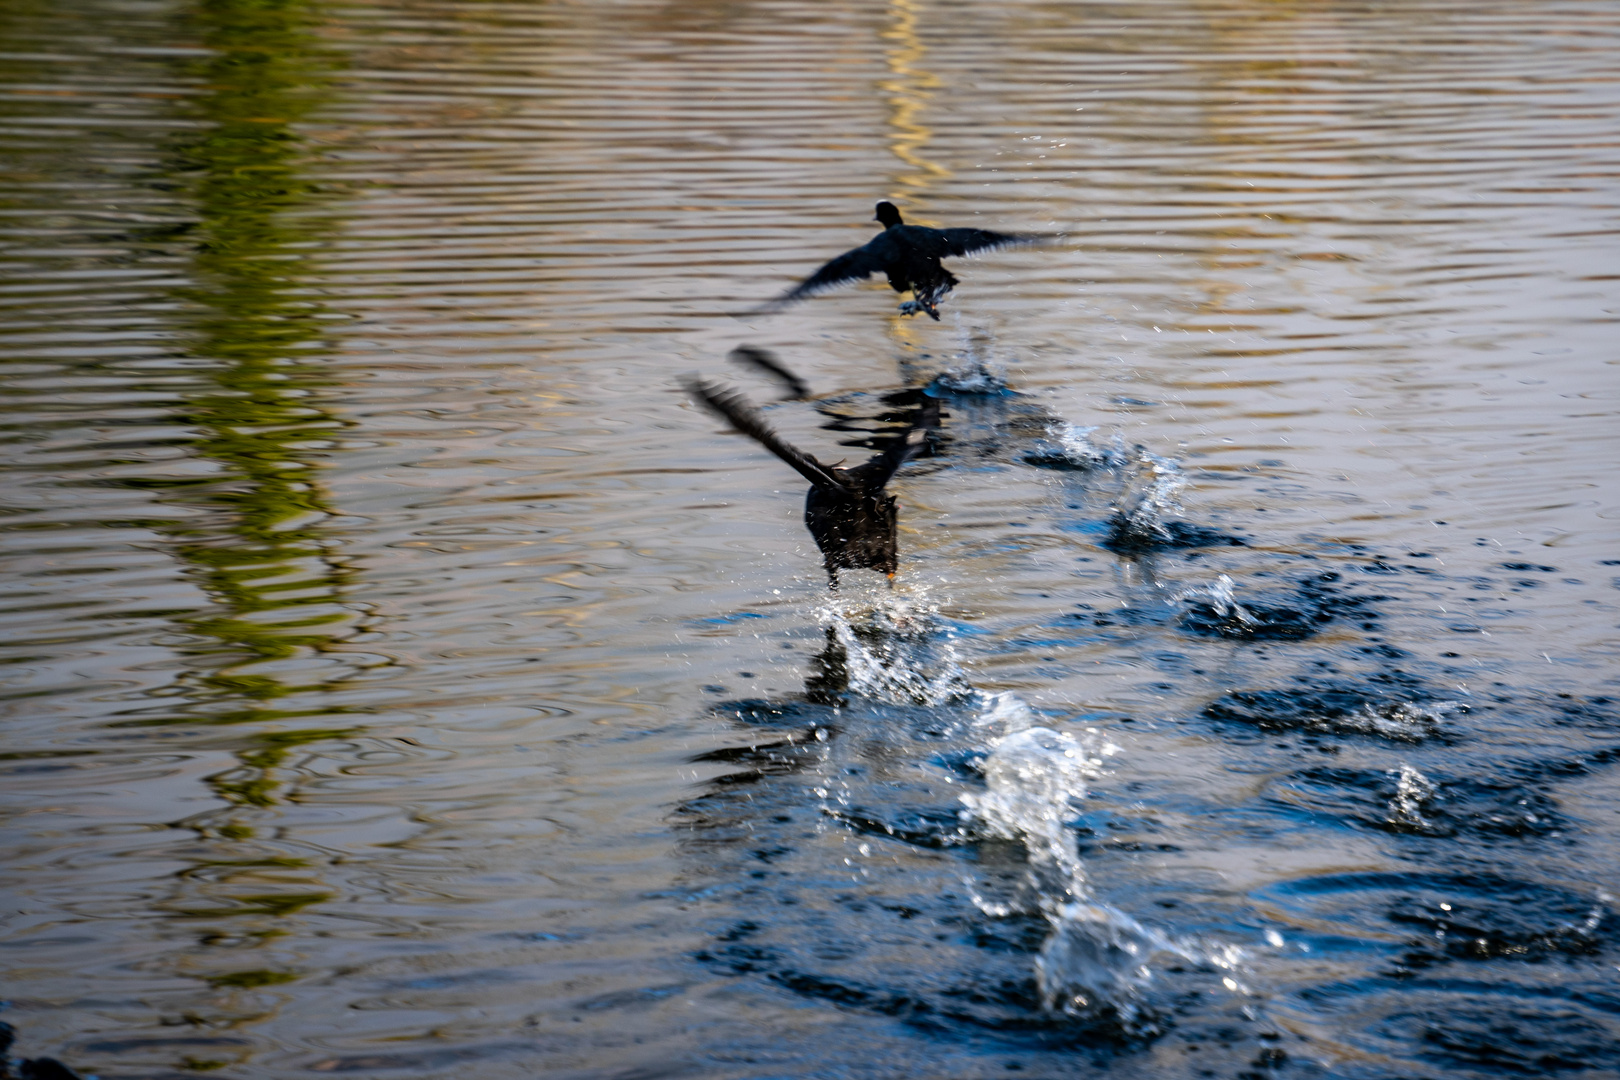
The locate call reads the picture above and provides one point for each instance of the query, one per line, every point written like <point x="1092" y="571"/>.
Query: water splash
<point x="1003" y="714"/>
<point x="1412" y="791"/>
<point x="975" y="372"/>
<point x="1096" y="962"/>
<point x="1403" y="721"/>
<point x="1070" y="448"/>
<point x="977" y="377"/>
<point x="1151" y="487"/>
<point x="1032" y="777"/>
<point x="1222" y="599"/>
<point x="896" y="650"/>
<point x="1214" y="611"/>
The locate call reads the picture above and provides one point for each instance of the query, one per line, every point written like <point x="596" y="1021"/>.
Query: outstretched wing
<point x="733" y="407"/>
<point x="967" y="241"/>
<point x="764" y="360"/>
<point x="877" y="472"/>
<point x="855" y="265"/>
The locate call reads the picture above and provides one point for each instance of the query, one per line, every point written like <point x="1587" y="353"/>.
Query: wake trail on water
<point x="1097" y="963"/>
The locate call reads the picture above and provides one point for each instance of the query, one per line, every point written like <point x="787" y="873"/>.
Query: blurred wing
<point x="764" y="360"/>
<point x="879" y="470"/>
<point x="733" y="407"/>
<point x="855" y="265"/>
<point x="967" y="241"/>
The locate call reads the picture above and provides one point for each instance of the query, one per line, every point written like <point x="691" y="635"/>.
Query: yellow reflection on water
<point x="907" y="91"/>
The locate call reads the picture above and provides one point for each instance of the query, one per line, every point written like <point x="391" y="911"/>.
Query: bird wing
<point x="766" y="361"/>
<point x="877" y="472"/>
<point x="863" y="262"/>
<point x="967" y="241"/>
<point x="733" y="407"/>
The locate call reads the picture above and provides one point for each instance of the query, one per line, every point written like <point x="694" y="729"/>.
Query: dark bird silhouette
<point x="909" y="256"/>
<point x="764" y="360"/>
<point x="853" y="520"/>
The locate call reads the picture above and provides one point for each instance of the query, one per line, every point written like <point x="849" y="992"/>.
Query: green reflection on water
<point x="257" y="537"/>
<point x="263" y="549"/>
<point x="270" y="567"/>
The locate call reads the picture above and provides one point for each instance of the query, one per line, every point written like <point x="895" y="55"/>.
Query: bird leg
<point x="926" y="298"/>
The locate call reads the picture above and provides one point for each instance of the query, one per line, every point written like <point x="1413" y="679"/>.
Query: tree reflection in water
<point x="257" y="538"/>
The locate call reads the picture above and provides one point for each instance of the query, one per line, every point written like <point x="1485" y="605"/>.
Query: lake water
<point x="404" y="678"/>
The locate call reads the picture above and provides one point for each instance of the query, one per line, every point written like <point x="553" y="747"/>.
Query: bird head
<point x="887" y="214"/>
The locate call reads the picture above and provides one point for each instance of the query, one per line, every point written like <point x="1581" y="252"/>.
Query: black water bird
<point x="852" y="518"/>
<point x="909" y="256"/>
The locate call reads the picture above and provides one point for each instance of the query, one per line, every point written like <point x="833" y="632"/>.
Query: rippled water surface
<point x="403" y="677"/>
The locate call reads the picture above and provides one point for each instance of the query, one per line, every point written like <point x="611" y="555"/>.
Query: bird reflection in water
<point x="852" y="517"/>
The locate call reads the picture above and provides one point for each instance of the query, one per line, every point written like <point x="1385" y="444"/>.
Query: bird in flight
<point x="853" y="519"/>
<point x="909" y="256"/>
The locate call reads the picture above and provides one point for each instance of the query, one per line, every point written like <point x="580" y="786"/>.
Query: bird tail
<point x="733" y="407"/>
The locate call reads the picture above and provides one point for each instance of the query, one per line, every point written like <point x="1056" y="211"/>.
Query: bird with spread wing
<point x="853" y="519"/>
<point x="908" y="255"/>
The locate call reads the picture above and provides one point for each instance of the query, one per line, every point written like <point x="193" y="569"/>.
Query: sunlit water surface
<point x="404" y="678"/>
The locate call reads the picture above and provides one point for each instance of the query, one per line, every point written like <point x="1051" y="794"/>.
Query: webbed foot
<point x="911" y="307"/>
